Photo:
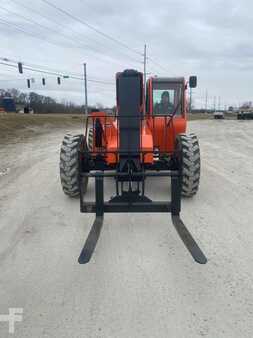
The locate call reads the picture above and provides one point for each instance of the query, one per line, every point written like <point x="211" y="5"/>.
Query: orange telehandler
<point x="145" y="138"/>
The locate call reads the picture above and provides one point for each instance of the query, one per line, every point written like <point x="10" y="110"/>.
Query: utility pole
<point x="219" y="104"/>
<point x="206" y="101"/>
<point x="85" y="88"/>
<point x="145" y="75"/>
<point x="214" y="103"/>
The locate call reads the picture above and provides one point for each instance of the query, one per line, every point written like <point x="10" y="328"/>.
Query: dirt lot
<point x="141" y="281"/>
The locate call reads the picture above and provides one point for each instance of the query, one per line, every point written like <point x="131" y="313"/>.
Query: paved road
<point x="141" y="281"/>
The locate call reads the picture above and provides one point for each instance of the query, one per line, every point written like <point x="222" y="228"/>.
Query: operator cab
<point x="166" y="96"/>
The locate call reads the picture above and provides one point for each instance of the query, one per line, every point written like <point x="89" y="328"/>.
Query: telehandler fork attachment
<point x="134" y="202"/>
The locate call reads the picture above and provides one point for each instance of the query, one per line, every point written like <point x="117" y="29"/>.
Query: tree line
<point x="41" y="104"/>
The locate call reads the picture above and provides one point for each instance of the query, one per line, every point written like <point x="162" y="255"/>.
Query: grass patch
<point x="20" y="126"/>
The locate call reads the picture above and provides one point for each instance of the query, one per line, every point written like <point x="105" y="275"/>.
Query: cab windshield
<point x="167" y="97"/>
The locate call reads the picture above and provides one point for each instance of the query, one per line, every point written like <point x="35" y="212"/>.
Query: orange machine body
<point x="157" y="133"/>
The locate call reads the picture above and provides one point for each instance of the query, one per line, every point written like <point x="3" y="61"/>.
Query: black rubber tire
<point x="69" y="165"/>
<point x="189" y="158"/>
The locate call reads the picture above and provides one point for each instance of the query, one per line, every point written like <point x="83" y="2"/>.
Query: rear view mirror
<point x="193" y="81"/>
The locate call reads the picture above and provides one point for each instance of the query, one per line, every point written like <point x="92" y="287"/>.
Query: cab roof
<point x="167" y="79"/>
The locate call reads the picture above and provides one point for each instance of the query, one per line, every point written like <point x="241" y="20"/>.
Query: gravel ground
<point x="141" y="281"/>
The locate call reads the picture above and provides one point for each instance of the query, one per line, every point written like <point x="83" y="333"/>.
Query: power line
<point x="66" y="36"/>
<point x="36" y="66"/>
<point x="92" y="27"/>
<point x="46" y="17"/>
<point x="18" y="28"/>
<point x="100" y="32"/>
<point x="157" y="64"/>
<point x="50" y="20"/>
<point x="98" y="43"/>
<point x="31" y="34"/>
<point x="39" y="25"/>
<point x="42" y="38"/>
<point x="11" y="80"/>
<point x="36" y="36"/>
<point x="47" y="69"/>
<point x="54" y="72"/>
<point x="63" y="26"/>
<point x="61" y="74"/>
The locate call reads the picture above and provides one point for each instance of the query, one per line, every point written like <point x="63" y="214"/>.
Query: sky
<point x="211" y="39"/>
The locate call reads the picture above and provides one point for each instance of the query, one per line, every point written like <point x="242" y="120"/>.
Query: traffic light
<point x="28" y="83"/>
<point x="43" y="81"/>
<point x="20" y="68"/>
<point x="58" y="80"/>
